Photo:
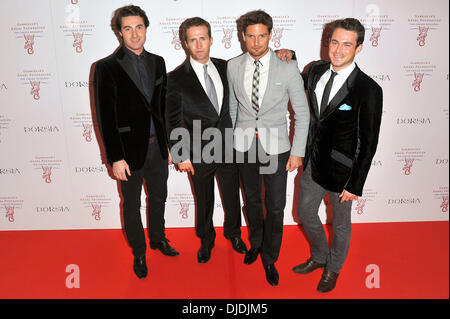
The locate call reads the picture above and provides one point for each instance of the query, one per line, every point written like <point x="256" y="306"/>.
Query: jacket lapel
<point x="316" y="77"/>
<point x="241" y="82"/>
<point x="270" y="80"/>
<point x="151" y="69"/>
<point x="127" y="65"/>
<point x="341" y="94"/>
<point x="192" y="76"/>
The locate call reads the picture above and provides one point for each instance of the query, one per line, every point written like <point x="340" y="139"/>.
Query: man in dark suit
<point x="198" y="100"/>
<point x="130" y="88"/>
<point x="346" y="108"/>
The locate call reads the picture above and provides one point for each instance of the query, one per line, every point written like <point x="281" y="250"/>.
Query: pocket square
<point x="345" y="107"/>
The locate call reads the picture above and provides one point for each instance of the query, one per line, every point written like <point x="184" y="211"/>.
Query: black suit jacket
<point x="123" y="111"/>
<point x="187" y="101"/>
<point x="342" y="143"/>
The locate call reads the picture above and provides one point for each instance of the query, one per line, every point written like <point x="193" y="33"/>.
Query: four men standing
<point x="245" y="102"/>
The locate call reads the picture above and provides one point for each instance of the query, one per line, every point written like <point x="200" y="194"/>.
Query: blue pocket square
<point x="345" y="107"/>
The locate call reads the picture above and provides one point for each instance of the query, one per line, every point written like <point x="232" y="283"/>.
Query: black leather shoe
<point x="165" y="248"/>
<point x="204" y="254"/>
<point x="251" y="256"/>
<point x="238" y="245"/>
<point x="271" y="274"/>
<point x="328" y="281"/>
<point x="140" y="267"/>
<point x="307" y="267"/>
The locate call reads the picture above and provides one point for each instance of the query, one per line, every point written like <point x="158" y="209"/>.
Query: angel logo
<point x="77" y="42"/>
<point x="184" y="210"/>
<point x="74" y="1"/>
<point x="87" y="132"/>
<point x="408" y="165"/>
<point x="375" y="36"/>
<point x="277" y="35"/>
<point x="29" y="42"/>
<point x="47" y="174"/>
<point x="35" y="87"/>
<point x="96" y="210"/>
<point x="176" y="42"/>
<point x="444" y="204"/>
<point x="423" y="32"/>
<point x="418" y="78"/>
<point x="10" y="213"/>
<point x="360" y="205"/>
<point x="227" y="35"/>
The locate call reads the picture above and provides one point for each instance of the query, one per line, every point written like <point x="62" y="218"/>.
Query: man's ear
<point x="359" y="48"/>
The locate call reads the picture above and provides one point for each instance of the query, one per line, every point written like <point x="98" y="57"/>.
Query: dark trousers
<point x="310" y="197"/>
<point x="203" y="183"/>
<point x="155" y="173"/>
<point x="265" y="233"/>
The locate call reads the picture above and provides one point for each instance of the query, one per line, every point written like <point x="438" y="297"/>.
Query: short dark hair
<point x="256" y="17"/>
<point x="350" y="24"/>
<point x="128" y="11"/>
<point x="193" y="22"/>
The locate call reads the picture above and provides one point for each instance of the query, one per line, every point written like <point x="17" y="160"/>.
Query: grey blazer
<point x="284" y="84"/>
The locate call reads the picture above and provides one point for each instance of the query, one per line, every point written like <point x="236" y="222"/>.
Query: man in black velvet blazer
<point x="346" y="109"/>
<point x="130" y="88"/>
<point x="198" y="102"/>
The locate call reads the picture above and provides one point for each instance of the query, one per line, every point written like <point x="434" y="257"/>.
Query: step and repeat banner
<point x="52" y="171"/>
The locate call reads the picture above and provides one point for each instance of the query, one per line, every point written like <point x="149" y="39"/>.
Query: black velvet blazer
<point x="342" y="140"/>
<point x="123" y="111"/>
<point x="187" y="101"/>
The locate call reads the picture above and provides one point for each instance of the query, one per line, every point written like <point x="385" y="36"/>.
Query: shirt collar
<point x="344" y="73"/>
<point x="133" y="55"/>
<point x="264" y="60"/>
<point x="197" y="65"/>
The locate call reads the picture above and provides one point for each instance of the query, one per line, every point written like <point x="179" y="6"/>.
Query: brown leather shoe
<point x="307" y="267"/>
<point x="328" y="281"/>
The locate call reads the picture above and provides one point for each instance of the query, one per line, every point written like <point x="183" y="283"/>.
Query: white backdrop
<point x="51" y="170"/>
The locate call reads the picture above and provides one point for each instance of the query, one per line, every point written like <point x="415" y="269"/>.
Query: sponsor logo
<point x="76" y="30"/>
<point x="369" y="196"/>
<point x="46" y="165"/>
<point x="9" y="171"/>
<point x="404" y="201"/>
<point x="10" y="205"/>
<point x="277" y="34"/>
<point x="419" y="70"/>
<point x="41" y="129"/>
<point x="28" y="33"/>
<point x="184" y="210"/>
<point x="413" y="121"/>
<point x="409" y="157"/>
<point x="34" y="79"/>
<point x="376" y="32"/>
<point x="91" y="169"/>
<point x="376" y="23"/>
<point x="95" y="204"/>
<point x="422" y="24"/>
<point x="171" y="26"/>
<point x="227" y="36"/>
<point x="85" y="124"/>
<point x="441" y="196"/>
<point x="5" y="123"/>
<point x="52" y="209"/>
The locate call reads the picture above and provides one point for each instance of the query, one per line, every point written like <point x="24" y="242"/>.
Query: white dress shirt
<point x="213" y="73"/>
<point x="338" y="81"/>
<point x="263" y="75"/>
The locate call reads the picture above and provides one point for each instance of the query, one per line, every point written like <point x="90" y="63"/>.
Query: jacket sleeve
<point x="105" y="92"/>
<point x="299" y="104"/>
<point x="178" y="136"/>
<point x="369" y="121"/>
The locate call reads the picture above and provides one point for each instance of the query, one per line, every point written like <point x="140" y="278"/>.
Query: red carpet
<point x="412" y="258"/>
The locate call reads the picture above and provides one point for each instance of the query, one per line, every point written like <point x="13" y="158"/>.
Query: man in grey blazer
<point x="261" y="87"/>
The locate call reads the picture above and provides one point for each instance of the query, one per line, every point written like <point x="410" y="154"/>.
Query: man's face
<point x="133" y="32"/>
<point x="257" y="39"/>
<point x="199" y="43"/>
<point x="343" y="48"/>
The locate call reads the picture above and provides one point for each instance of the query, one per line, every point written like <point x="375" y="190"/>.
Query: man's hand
<point x="293" y="163"/>
<point x="285" y="55"/>
<point x="186" y="166"/>
<point x="346" y="196"/>
<point x="169" y="160"/>
<point x="119" y="168"/>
